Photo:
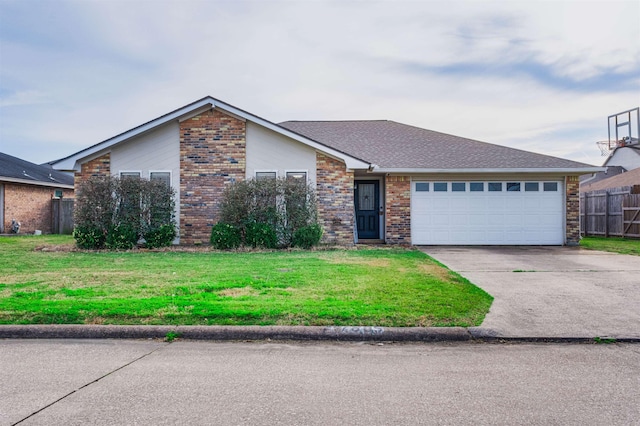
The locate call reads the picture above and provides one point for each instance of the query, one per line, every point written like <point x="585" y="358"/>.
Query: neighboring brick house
<point x="26" y="190"/>
<point x="375" y="180"/>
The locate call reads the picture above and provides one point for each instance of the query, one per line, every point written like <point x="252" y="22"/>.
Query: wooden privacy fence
<point x="611" y="212"/>
<point x="62" y="215"/>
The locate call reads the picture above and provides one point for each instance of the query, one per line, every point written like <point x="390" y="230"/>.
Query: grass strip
<point x="44" y="280"/>
<point x="611" y="244"/>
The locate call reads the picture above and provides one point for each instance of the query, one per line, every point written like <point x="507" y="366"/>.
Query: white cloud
<point x="105" y="67"/>
<point x="21" y="98"/>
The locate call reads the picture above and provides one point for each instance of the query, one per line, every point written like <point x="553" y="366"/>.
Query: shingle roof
<point x="392" y="145"/>
<point x="16" y="168"/>
<point x="630" y="178"/>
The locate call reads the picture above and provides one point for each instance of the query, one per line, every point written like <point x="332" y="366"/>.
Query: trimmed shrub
<point x="283" y="205"/>
<point x="160" y="237"/>
<point x="123" y="211"/>
<point x="89" y="238"/>
<point x="260" y="235"/>
<point x="94" y="211"/>
<point x="121" y="237"/>
<point x="157" y="207"/>
<point x="128" y="195"/>
<point x="300" y="208"/>
<point x="307" y="236"/>
<point x="225" y="236"/>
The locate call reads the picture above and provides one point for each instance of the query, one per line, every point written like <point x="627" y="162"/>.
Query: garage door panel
<point x="534" y="204"/>
<point x="514" y="203"/>
<point x="478" y="220"/>
<point x="460" y="204"/>
<point x="494" y="219"/>
<point x="441" y="204"/>
<point x="440" y="220"/>
<point x="488" y="218"/>
<point x="512" y="220"/>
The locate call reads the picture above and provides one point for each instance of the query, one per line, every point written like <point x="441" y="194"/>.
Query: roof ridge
<point x="331" y="121"/>
<point x="487" y="143"/>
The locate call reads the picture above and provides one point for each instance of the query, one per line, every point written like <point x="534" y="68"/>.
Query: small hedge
<point x="116" y="213"/>
<point x="268" y="213"/>
<point x="225" y="236"/>
<point x="307" y="236"/>
<point x="260" y="235"/>
<point x="121" y="237"/>
<point x="162" y="236"/>
<point x="89" y="237"/>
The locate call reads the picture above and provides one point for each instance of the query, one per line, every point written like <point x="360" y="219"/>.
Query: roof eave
<point x="72" y="162"/>
<point x="35" y="182"/>
<point x="568" y="171"/>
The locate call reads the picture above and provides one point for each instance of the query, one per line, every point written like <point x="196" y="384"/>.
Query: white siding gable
<point x="157" y="150"/>
<point x="629" y="158"/>
<point x="271" y="151"/>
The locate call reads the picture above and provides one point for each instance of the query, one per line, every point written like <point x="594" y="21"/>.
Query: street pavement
<point x="150" y="382"/>
<point x="540" y="292"/>
<point x="551" y="291"/>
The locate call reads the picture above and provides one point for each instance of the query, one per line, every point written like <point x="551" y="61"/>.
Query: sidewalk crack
<point x="89" y="384"/>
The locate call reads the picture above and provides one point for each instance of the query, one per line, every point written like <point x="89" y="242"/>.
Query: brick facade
<point x="572" y="187"/>
<point x="212" y="155"/>
<point x="30" y="205"/>
<point x="335" y="200"/>
<point x="398" y="210"/>
<point x="100" y="166"/>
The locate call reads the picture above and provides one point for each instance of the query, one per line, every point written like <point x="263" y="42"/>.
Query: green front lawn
<point x="44" y="281"/>
<point x="616" y="245"/>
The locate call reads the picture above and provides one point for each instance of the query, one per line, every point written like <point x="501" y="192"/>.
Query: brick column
<point x="398" y="209"/>
<point x="100" y="166"/>
<point x="335" y="200"/>
<point x="212" y="155"/>
<point x="572" y="188"/>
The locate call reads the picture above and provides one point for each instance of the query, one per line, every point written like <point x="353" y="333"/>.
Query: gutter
<point x="572" y="171"/>
<point x="35" y="182"/>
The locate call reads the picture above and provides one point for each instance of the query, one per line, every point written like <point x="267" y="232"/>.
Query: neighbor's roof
<point x="395" y="146"/>
<point x="13" y="169"/>
<point x="630" y="178"/>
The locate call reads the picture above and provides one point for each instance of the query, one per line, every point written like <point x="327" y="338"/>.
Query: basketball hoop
<point x="605" y="148"/>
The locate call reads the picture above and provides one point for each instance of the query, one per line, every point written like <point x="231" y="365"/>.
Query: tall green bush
<point x="94" y="211"/>
<point x="268" y="212"/>
<point x="225" y="236"/>
<point x="116" y="213"/>
<point x="157" y="212"/>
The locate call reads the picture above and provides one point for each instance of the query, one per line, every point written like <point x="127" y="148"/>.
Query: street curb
<point x="290" y="333"/>
<point x="302" y="333"/>
<point x="488" y="335"/>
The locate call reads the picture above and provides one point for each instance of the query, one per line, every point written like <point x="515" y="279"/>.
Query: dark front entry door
<point x="367" y="200"/>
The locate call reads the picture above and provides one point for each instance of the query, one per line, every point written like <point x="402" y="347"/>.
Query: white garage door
<point x="487" y="213"/>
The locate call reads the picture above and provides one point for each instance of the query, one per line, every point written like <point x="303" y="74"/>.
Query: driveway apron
<point x="551" y="291"/>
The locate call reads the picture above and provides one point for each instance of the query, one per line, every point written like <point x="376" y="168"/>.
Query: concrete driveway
<point x="552" y="291"/>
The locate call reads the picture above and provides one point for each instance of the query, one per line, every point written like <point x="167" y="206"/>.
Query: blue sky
<point x="535" y="75"/>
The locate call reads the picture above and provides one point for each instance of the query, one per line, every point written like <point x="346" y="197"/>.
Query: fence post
<point x="586" y="214"/>
<point x="606" y="214"/>
<point x="54" y="216"/>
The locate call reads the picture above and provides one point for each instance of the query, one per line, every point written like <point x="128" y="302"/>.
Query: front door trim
<point x="368" y="220"/>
